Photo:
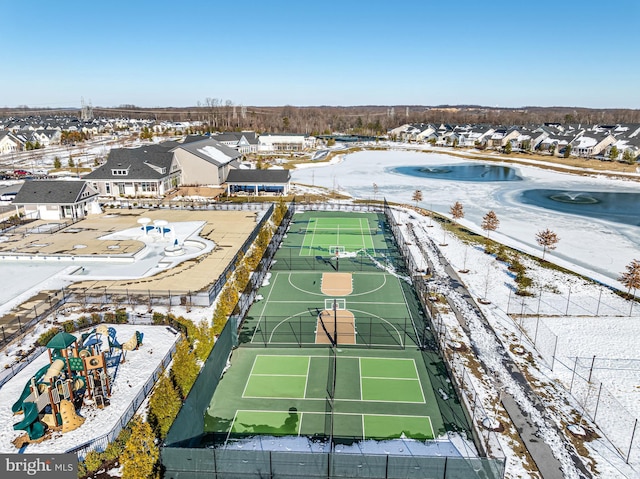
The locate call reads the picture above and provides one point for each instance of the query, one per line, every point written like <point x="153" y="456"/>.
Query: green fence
<point x="187" y="429"/>
<point x="237" y="464"/>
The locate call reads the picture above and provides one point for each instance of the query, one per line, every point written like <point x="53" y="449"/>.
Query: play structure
<point x="80" y="371"/>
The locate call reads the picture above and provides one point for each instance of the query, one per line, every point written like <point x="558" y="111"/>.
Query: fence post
<point x="597" y="404"/>
<point x="598" y="306"/>
<point x="575" y="363"/>
<point x="553" y="358"/>
<point x="635" y="424"/>
<point x="593" y="360"/>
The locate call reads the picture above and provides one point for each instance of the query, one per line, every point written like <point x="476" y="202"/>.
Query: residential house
<point x="474" y="136"/>
<point x="591" y="144"/>
<point x="244" y="141"/>
<point x="205" y="161"/>
<point x="413" y="132"/>
<point x="147" y="171"/>
<point x="57" y="199"/>
<point x="443" y="135"/>
<point x="627" y="148"/>
<point x="47" y="137"/>
<point x="427" y="133"/>
<point x="9" y="143"/>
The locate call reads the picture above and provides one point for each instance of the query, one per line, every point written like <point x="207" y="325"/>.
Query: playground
<point x="335" y="348"/>
<point x="79" y="387"/>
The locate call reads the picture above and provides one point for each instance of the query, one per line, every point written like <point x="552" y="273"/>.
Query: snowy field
<point x="131" y="377"/>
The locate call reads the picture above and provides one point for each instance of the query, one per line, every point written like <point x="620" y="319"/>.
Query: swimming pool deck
<point x="82" y="241"/>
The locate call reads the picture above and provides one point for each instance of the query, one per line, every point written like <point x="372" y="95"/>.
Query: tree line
<point x="225" y="115"/>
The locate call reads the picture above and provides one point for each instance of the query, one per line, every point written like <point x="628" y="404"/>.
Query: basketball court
<point x="332" y="348"/>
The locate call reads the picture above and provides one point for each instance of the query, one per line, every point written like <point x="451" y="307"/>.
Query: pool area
<point x="130" y="253"/>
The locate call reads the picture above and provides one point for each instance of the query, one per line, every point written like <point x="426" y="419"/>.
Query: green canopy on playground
<point x="62" y="340"/>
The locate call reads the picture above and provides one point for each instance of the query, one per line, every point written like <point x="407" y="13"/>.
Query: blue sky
<point x="261" y="53"/>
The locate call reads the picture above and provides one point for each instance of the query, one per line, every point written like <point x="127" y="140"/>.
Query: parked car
<point x="8" y="196"/>
<point x="21" y="173"/>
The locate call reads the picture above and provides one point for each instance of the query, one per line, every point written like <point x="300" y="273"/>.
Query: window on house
<point x="148" y="187"/>
<point x="119" y="172"/>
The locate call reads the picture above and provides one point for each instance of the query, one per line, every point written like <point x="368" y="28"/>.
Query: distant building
<point x="282" y="143"/>
<point x="205" y="161"/>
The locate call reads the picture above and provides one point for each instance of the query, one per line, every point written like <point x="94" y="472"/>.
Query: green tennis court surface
<point x="288" y="312"/>
<point x="286" y="379"/>
<point x="365" y="426"/>
<point x="284" y="392"/>
<point x="321" y="235"/>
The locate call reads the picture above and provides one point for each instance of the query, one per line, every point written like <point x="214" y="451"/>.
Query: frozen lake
<point x="589" y="244"/>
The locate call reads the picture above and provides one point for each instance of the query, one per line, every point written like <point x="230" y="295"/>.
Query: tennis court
<point x="313" y="393"/>
<point x="337" y="234"/>
<point x="333" y="346"/>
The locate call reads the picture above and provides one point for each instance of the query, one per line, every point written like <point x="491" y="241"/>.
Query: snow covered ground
<point x="29" y="277"/>
<point x="595" y="248"/>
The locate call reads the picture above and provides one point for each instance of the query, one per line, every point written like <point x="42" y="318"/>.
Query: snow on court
<point x="130" y="379"/>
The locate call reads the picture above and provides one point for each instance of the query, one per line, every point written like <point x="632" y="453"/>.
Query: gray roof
<point x="259" y="176"/>
<point x="250" y="136"/>
<point x="53" y="192"/>
<point x="211" y="151"/>
<point x="191" y="138"/>
<point x="139" y="161"/>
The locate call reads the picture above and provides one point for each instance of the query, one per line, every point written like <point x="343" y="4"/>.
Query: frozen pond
<point x="606" y="205"/>
<point x="468" y="172"/>
<point x="588" y="243"/>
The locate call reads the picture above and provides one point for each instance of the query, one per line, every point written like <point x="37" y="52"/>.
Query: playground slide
<point x="133" y="343"/>
<point x="30" y="422"/>
<point x="17" y="406"/>
<point x="54" y="370"/>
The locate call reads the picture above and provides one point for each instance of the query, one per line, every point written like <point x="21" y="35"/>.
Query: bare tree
<point x="548" y="240"/>
<point x="375" y="191"/>
<point x="631" y="277"/>
<point x="457" y="211"/>
<point x="490" y="222"/>
<point x="417" y="197"/>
